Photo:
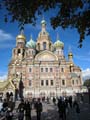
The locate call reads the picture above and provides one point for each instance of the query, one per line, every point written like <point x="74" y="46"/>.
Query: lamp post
<point x="21" y="87"/>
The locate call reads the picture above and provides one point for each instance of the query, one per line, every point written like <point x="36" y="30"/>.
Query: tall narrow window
<point x="62" y="69"/>
<point x="63" y="82"/>
<point x="51" y="82"/>
<point x="44" y="45"/>
<point x="30" y="70"/>
<point x="19" y="51"/>
<point x="38" y="46"/>
<point x="42" y="82"/>
<point x="77" y="82"/>
<point x="73" y="82"/>
<point x="46" y="69"/>
<point x="41" y="69"/>
<point x="46" y="82"/>
<point x="50" y="46"/>
<point x="30" y="83"/>
<point x="50" y="69"/>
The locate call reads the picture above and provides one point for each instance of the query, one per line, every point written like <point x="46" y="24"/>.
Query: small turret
<point x="20" y="39"/>
<point x="70" y="56"/>
<point x="31" y="43"/>
<point x="59" y="45"/>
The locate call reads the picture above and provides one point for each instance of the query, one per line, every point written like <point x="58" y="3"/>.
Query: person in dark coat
<point x="5" y="104"/>
<point x="38" y="108"/>
<point x="27" y="110"/>
<point x="21" y="110"/>
<point x="9" y="114"/>
<point x="70" y="101"/>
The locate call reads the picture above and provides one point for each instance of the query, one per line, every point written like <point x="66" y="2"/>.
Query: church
<point x="43" y="68"/>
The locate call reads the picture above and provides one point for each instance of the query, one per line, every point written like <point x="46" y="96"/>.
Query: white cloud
<point x="5" y="36"/>
<point x="86" y="74"/>
<point x="3" y="77"/>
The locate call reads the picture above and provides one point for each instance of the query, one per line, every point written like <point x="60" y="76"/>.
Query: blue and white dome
<point x="31" y="43"/>
<point x="43" y="22"/>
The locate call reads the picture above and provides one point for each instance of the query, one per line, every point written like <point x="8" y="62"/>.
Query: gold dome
<point x="58" y="43"/>
<point x="21" y="37"/>
<point x="70" y="54"/>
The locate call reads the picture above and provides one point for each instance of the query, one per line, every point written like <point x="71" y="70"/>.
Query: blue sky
<point x="70" y="37"/>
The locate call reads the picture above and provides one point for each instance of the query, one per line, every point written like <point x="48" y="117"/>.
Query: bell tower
<point x="19" y="50"/>
<point x="43" y="41"/>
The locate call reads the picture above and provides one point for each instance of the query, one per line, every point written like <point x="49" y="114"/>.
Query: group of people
<point x="64" y="104"/>
<point x="25" y="106"/>
<point x="24" y="109"/>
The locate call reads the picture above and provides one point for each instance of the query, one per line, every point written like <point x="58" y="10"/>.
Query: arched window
<point x="19" y="51"/>
<point x="44" y="45"/>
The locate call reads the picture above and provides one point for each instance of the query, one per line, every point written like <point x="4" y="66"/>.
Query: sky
<point x="70" y="38"/>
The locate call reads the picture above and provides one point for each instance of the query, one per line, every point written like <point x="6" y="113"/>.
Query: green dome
<point x="43" y="22"/>
<point x="59" y="43"/>
<point x="31" y="43"/>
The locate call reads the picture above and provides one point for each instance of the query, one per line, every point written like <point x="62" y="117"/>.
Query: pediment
<point x="46" y="56"/>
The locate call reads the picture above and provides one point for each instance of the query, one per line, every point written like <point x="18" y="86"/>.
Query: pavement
<point x="50" y="112"/>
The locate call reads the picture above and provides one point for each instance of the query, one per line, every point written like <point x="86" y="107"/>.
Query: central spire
<point x="43" y="24"/>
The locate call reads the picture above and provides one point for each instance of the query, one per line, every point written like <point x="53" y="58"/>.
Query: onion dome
<point x="43" y="22"/>
<point x="21" y="36"/>
<point x="70" y="54"/>
<point x="31" y="43"/>
<point x="58" y="43"/>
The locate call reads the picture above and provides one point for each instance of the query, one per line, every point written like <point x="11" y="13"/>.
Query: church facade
<point x="43" y="68"/>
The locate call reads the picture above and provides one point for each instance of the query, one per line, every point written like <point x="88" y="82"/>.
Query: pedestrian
<point x="38" y="108"/>
<point x="9" y="114"/>
<point x="54" y="100"/>
<point x="78" y="111"/>
<point x="21" y="110"/>
<point x="70" y="101"/>
<point x="27" y="110"/>
<point x="62" y="109"/>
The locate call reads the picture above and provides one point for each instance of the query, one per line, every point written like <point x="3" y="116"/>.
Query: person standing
<point x="27" y="110"/>
<point x="38" y="108"/>
<point x="9" y="114"/>
<point x="21" y="110"/>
